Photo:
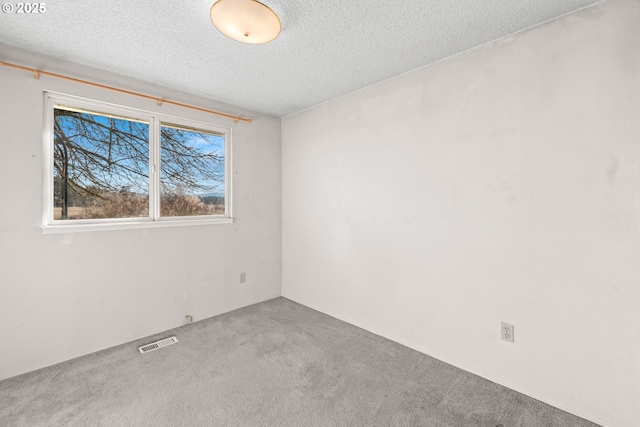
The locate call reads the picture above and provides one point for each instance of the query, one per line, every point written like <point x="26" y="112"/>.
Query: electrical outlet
<point x="243" y="277"/>
<point x="187" y="319"/>
<point x="506" y="332"/>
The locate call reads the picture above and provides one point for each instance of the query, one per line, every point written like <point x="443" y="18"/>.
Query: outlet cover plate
<point x="506" y="332"/>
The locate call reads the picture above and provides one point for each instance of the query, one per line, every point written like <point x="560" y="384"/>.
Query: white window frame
<point x="155" y="120"/>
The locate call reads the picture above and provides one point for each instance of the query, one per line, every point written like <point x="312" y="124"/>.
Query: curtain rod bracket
<point x="36" y="74"/>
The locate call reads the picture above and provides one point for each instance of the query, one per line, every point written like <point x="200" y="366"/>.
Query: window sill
<point x="129" y="225"/>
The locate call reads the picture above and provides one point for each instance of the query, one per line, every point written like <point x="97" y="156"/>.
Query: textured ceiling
<point x="326" y="48"/>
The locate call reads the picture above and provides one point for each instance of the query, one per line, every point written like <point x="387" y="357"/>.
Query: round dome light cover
<point x="246" y="21"/>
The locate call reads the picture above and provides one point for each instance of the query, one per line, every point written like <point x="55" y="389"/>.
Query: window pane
<point x="100" y="166"/>
<point x="192" y="172"/>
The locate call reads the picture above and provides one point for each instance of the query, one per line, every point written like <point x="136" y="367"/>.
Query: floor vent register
<point x="158" y="344"/>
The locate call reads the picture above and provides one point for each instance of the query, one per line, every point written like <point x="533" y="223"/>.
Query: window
<point x="116" y="167"/>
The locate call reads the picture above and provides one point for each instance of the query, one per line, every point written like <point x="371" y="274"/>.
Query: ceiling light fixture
<point x="247" y="21"/>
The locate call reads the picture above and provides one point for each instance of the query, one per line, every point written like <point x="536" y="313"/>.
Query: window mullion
<point x="154" y="170"/>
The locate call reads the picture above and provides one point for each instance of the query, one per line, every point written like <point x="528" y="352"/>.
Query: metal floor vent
<point x="158" y="344"/>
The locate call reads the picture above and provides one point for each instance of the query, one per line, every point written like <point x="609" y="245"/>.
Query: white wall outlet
<point x="506" y="331"/>
<point x="187" y="319"/>
<point x="243" y="277"/>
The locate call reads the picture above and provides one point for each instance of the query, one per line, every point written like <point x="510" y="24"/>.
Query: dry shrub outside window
<point x="131" y="205"/>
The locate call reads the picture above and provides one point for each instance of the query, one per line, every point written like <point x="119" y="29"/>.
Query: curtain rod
<point x="160" y="101"/>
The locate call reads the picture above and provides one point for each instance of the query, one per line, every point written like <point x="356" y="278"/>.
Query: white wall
<point x="62" y="296"/>
<point x="501" y="184"/>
